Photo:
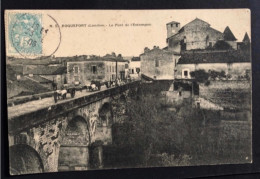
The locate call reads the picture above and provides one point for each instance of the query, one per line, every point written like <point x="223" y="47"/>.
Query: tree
<point x="222" y="45"/>
<point x="113" y="54"/>
<point x="200" y="75"/>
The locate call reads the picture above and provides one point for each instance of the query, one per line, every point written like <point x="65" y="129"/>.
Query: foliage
<point x="221" y="45"/>
<point x="154" y="130"/>
<point x="200" y="75"/>
<point x="184" y="137"/>
<point x="172" y="160"/>
<point x="216" y="74"/>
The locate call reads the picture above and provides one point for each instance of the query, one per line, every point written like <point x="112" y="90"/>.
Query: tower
<point x="172" y="28"/>
<point x="246" y="39"/>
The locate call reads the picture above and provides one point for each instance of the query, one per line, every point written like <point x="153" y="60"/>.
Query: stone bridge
<point x="68" y="135"/>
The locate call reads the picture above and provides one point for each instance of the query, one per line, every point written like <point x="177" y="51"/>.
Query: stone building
<point x="47" y="74"/>
<point x="230" y="38"/>
<point x="197" y="34"/>
<point x="236" y="63"/>
<point x="245" y="45"/>
<point x="158" y="63"/>
<point x="135" y="68"/>
<point x="97" y="69"/>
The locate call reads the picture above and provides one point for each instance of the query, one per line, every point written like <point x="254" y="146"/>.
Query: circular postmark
<point x="35" y="35"/>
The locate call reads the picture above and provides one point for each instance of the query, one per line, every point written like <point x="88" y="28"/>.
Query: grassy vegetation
<point x="155" y="136"/>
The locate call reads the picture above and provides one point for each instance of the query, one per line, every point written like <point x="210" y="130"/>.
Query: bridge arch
<point x="74" y="152"/>
<point x="24" y="160"/>
<point x="103" y="125"/>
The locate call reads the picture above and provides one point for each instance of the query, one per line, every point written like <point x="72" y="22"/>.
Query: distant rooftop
<point x="136" y="59"/>
<point x="215" y="57"/>
<point x="228" y="35"/>
<point x="173" y="22"/>
<point x="47" y="70"/>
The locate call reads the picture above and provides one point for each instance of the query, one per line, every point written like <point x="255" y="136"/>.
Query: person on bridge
<point x="54" y="86"/>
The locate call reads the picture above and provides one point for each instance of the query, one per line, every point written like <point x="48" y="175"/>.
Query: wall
<point x="174" y="42"/>
<point x="232" y="84"/>
<point x="229" y="94"/>
<point x="132" y="69"/>
<point x="175" y="98"/>
<point x="59" y="79"/>
<point x="235" y="69"/>
<point x="233" y="44"/>
<point x="198" y="35"/>
<point x="47" y="137"/>
<point x="166" y="60"/>
<point x="85" y="73"/>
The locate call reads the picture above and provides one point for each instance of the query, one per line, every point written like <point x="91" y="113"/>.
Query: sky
<point x="127" y="40"/>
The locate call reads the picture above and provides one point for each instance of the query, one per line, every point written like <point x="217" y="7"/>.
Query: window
<point x="176" y="25"/>
<point x="186" y="73"/>
<point x="133" y="71"/>
<point x="210" y="44"/>
<point x="76" y="78"/>
<point x="137" y="70"/>
<point x="171" y="25"/>
<point x="229" y="65"/>
<point x="126" y="65"/>
<point x="198" y="105"/>
<point x="94" y="69"/>
<point x="113" y="77"/>
<point x="156" y="63"/>
<point x="76" y="69"/>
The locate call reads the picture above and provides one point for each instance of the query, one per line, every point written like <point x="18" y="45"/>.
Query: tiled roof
<point x="18" y="69"/>
<point x="246" y="38"/>
<point x="173" y="22"/>
<point x="136" y="59"/>
<point x="160" y="51"/>
<point x="84" y="58"/>
<point x="27" y="85"/>
<point x="47" y="70"/>
<point x="228" y="35"/>
<point x="39" y="79"/>
<point x="214" y="57"/>
<point x="196" y="19"/>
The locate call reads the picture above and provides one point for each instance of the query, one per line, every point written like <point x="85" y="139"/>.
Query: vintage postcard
<point x="105" y="89"/>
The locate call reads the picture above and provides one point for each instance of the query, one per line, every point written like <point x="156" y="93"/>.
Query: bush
<point x="207" y="83"/>
<point x="222" y="45"/>
<point x="200" y="75"/>
<point x="216" y="74"/>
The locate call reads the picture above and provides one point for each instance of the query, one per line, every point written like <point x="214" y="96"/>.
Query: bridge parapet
<point x="17" y="124"/>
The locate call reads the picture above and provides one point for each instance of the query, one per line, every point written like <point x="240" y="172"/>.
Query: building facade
<point x="135" y="68"/>
<point x="234" y="64"/>
<point x="98" y="69"/>
<point x="197" y="34"/>
<point x="159" y="64"/>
